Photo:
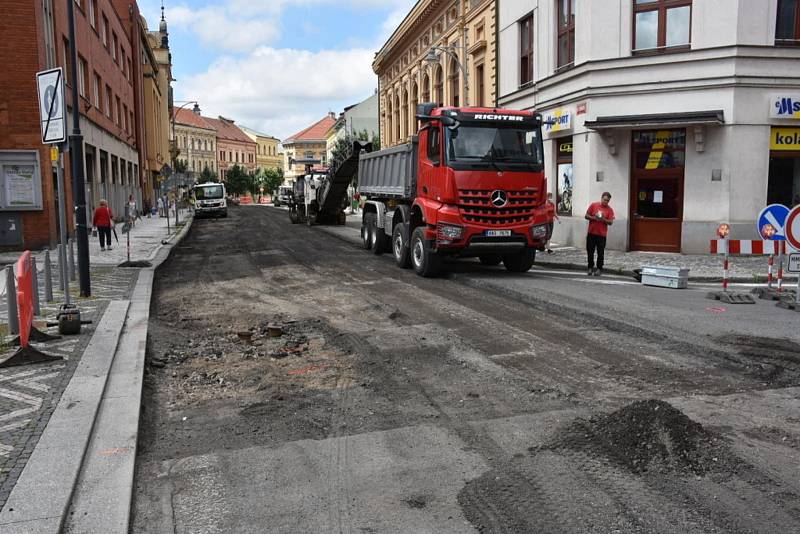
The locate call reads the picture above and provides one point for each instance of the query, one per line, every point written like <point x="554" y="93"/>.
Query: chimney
<point x="331" y="114"/>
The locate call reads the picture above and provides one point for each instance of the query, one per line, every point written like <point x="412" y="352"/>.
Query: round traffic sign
<point x="723" y="230"/>
<point x="771" y="222"/>
<point x="793" y="228"/>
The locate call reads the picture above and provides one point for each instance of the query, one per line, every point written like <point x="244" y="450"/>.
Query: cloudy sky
<point x="275" y="65"/>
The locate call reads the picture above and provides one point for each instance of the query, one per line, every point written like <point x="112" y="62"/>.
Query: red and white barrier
<point x="754" y="247"/>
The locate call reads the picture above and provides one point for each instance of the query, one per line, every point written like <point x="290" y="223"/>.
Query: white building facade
<point x="686" y="111"/>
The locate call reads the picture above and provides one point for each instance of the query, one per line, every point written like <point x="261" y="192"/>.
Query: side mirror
<point x="450" y="122"/>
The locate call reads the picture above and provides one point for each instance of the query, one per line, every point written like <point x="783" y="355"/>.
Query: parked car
<point x="281" y="198"/>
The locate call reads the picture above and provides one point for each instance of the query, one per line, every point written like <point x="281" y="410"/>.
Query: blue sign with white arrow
<point x="772" y="222"/>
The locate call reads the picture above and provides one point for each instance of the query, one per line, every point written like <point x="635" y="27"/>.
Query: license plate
<point x="498" y="233"/>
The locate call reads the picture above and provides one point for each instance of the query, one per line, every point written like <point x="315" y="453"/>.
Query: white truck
<point x="210" y="199"/>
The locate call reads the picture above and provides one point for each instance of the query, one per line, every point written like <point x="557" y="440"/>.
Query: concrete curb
<point x="84" y="461"/>
<point x="103" y="495"/>
<point x="39" y="500"/>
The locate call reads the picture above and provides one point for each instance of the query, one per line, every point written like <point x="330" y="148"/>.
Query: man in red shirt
<point x="600" y="217"/>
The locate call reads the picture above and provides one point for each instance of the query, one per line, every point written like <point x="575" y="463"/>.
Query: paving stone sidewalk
<point x="29" y="394"/>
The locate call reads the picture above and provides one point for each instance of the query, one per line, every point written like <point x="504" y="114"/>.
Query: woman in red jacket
<point x="102" y="221"/>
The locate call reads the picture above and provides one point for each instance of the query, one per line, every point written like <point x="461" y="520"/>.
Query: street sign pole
<point x="77" y="159"/>
<point x="62" y="223"/>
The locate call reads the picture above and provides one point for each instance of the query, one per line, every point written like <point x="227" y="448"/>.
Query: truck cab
<point x="210" y="200"/>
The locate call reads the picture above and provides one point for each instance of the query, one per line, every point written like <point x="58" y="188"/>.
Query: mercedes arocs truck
<point x="470" y="183"/>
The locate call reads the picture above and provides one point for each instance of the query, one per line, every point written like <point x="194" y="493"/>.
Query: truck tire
<point x="380" y="241"/>
<point x="426" y="262"/>
<point x="520" y="262"/>
<point x="366" y="230"/>
<point x="491" y="259"/>
<point x="400" y="248"/>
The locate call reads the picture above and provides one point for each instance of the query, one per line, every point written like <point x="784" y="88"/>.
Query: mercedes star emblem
<point x="499" y="198"/>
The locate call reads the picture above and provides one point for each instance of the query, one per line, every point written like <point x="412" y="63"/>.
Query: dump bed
<point x="389" y="173"/>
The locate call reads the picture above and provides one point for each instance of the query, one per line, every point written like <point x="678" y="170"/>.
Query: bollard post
<point x="37" y="309"/>
<point x="71" y="251"/>
<point x="11" y="298"/>
<point x="725" y="266"/>
<point x="61" y="266"/>
<point x="770" y="264"/>
<point x="48" y="278"/>
<point x="780" y="266"/>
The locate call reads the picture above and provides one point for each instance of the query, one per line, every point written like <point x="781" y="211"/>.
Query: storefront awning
<point x="657" y="119"/>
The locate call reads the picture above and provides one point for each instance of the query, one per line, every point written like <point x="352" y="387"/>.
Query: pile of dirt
<point x="650" y="436"/>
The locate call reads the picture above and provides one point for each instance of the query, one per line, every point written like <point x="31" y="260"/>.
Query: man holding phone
<point x="600" y="217"/>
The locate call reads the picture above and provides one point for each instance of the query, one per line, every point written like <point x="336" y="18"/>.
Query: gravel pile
<point x="650" y="436"/>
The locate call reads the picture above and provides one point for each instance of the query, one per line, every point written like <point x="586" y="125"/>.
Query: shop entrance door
<point x="658" y="161"/>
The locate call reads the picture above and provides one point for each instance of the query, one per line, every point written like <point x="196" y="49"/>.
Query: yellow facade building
<point x="157" y="74"/>
<point x="461" y="36"/>
<point x="268" y="153"/>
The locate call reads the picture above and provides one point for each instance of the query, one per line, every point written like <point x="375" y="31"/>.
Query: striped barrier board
<point x="755" y="247"/>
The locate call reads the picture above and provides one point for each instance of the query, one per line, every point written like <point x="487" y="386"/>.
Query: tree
<point x="208" y="175"/>
<point x="238" y="180"/>
<point x="271" y="179"/>
<point x="181" y="166"/>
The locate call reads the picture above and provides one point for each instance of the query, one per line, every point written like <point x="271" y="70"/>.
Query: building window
<point x="455" y="84"/>
<point x="108" y="100"/>
<point x="661" y="24"/>
<point x="480" y="86"/>
<point x="83" y="81"/>
<point x="117" y="112"/>
<point x="92" y="13"/>
<point x="114" y="45"/>
<point x="221" y="155"/>
<point x="97" y="86"/>
<point x="566" y="32"/>
<point x="125" y="117"/>
<point x="426" y="88"/>
<point x="104" y="31"/>
<point x="787" y="27"/>
<point x="526" y="50"/>
<point x="67" y="63"/>
<point x="438" y="85"/>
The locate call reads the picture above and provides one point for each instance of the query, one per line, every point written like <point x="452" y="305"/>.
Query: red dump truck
<point x="470" y="183"/>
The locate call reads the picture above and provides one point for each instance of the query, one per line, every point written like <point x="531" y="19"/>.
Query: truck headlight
<point x="539" y="231"/>
<point x="448" y="232"/>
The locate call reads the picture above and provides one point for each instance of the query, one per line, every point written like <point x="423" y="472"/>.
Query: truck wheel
<point x="520" y="262"/>
<point x="366" y="230"/>
<point x="491" y="259"/>
<point x="380" y="241"/>
<point x="400" y="249"/>
<point x="425" y="261"/>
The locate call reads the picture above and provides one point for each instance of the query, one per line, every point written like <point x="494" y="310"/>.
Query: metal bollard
<point x="62" y="268"/>
<point x="37" y="310"/>
<point x="48" y="278"/>
<point x="11" y="298"/>
<point x="71" y="251"/>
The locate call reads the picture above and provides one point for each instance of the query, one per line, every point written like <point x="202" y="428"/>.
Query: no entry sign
<point x="793" y="228"/>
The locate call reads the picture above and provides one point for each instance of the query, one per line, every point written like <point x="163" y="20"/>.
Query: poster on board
<point x="564" y="204"/>
<point x="20" y="187"/>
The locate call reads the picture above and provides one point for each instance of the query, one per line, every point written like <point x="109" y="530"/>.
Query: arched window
<point x="455" y="83"/>
<point x="396" y="119"/>
<point x="426" y="88"/>
<point x="404" y="116"/>
<point x="412" y="109"/>
<point x="438" y="85"/>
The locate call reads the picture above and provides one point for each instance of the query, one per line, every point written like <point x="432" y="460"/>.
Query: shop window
<point x="564" y="182"/>
<point x="787" y="26"/>
<point x="526" y="50"/>
<point x="566" y="33"/>
<point x="784" y="167"/>
<point x="661" y="25"/>
<point x="663" y="149"/>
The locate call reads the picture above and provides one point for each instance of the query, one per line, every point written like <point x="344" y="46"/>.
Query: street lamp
<point x="174" y="151"/>
<point x="433" y="56"/>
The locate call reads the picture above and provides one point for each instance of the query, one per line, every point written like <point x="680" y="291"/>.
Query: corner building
<point x="683" y="109"/>
<point x="406" y="78"/>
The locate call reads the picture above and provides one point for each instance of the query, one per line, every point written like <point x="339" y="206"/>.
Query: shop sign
<point x="559" y="120"/>
<point x="785" y="139"/>
<point x="565" y="149"/>
<point x="785" y="107"/>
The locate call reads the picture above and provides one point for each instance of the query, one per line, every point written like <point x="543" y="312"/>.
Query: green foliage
<point x="181" y="166"/>
<point x="208" y="175"/>
<point x="238" y="180"/>
<point x="270" y="179"/>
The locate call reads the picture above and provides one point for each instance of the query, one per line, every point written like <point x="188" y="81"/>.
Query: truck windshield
<point x="208" y="192"/>
<point x="480" y="146"/>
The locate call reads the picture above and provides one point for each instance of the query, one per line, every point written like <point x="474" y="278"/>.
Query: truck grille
<point x="476" y="207"/>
